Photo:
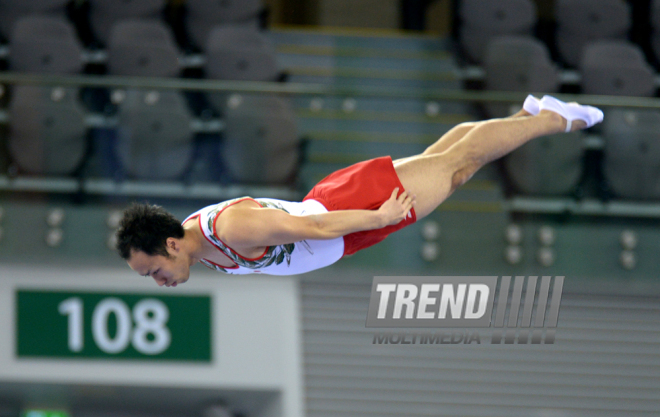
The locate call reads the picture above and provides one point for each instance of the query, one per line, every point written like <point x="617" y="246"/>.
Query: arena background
<point x="187" y="103"/>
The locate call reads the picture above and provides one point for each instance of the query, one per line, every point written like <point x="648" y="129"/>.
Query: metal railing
<point x="220" y="86"/>
<point x="175" y="189"/>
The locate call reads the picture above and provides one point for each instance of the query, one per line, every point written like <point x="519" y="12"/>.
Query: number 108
<point x="148" y="317"/>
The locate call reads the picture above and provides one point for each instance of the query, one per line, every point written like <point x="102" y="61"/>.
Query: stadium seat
<point x="142" y="48"/>
<point x="619" y="68"/>
<point x="202" y="16"/>
<point x="616" y="68"/>
<point x="4" y="154"/>
<point x="12" y="10"/>
<point x="261" y="144"/>
<point x="484" y="20"/>
<point x="47" y="130"/>
<point x="547" y="166"/>
<point x="632" y="153"/>
<point x="240" y="53"/>
<point x="655" y="28"/>
<point x="103" y="14"/>
<point x="580" y="22"/>
<point x="518" y="63"/>
<point x="154" y="140"/>
<point x="45" y="44"/>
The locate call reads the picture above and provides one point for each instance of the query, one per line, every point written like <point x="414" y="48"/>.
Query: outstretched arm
<point x="255" y="227"/>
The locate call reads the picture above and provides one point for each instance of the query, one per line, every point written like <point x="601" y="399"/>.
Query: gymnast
<point x="349" y="210"/>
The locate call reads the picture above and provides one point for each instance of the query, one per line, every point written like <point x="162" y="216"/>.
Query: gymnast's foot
<point x="532" y="105"/>
<point x="577" y="116"/>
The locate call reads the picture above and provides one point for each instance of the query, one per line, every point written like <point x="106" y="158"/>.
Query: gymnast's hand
<point x="396" y="209"/>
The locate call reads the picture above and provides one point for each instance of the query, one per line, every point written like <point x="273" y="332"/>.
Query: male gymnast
<point x="349" y="210"/>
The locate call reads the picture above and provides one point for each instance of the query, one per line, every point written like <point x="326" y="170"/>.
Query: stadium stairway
<point x="345" y="130"/>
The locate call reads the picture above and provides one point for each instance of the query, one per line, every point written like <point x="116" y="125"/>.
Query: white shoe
<point x="572" y="111"/>
<point x="532" y="105"/>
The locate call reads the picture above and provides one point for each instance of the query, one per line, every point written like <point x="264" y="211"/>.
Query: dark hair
<point x="145" y="228"/>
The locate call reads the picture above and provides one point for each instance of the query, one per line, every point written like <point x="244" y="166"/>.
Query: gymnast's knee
<point x="464" y="173"/>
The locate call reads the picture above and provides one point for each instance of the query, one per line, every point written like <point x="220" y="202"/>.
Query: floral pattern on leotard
<point x="274" y="254"/>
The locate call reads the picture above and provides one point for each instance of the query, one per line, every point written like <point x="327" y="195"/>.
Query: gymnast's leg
<point x="458" y="132"/>
<point x="454" y="135"/>
<point x="434" y="177"/>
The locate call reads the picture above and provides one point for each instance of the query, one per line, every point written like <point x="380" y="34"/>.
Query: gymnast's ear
<point x="173" y="243"/>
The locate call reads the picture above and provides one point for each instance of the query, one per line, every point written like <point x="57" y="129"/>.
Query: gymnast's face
<point x="168" y="271"/>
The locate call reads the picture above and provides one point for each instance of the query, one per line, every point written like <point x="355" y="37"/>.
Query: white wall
<point x="256" y="335"/>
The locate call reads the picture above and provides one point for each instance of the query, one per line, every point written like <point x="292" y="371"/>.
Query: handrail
<point x="219" y="86"/>
<point x="135" y="188"/>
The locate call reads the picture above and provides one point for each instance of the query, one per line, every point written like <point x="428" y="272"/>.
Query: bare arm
<point x="248" y="226"/>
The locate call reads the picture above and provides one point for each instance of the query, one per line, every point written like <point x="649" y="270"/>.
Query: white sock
<point x="532" y="105"/>
<point x="572" y="111"/>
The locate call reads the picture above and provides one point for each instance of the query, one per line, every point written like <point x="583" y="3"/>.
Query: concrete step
<point x="361" y="122"/>
<point x="415" y="106"/>
<point x="347" y="38"/>
<point x="344" y="58"/>
<point x="429" y="66"/>
<point x="394" y="83"/>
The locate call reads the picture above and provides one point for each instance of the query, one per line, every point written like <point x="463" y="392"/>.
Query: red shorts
<point x="365" y="185"/>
